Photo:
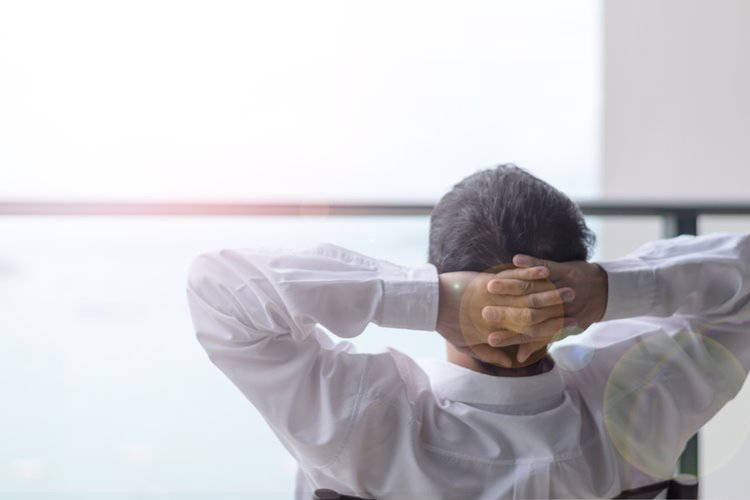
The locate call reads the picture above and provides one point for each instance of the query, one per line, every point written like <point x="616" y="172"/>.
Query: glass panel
<point x="621" y="235"/>
<point x="723" y="223"/>
<point x="105" y="387"/>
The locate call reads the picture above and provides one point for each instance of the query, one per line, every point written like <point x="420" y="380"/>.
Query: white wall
<point x="677" y="106"/>
<point x="677" y="127"/>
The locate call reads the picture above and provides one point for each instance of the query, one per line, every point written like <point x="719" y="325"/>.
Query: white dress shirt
<point x="614" y="413"/>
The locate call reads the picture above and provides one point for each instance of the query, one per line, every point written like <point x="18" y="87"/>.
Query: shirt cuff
<point x="631" y="289"/>
<point x="410" y="298"/>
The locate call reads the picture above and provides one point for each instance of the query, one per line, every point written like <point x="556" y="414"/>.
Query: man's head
<point x="496" y="213"/>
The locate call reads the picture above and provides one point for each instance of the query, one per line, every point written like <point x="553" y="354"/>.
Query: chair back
<point x="684" y="486"/>
<point x="326" y="494"/>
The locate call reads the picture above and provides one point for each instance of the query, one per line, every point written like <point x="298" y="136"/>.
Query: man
<point x="668" y="346"/>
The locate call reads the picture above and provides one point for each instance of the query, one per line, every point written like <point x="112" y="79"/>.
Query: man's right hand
<point x="524" y="301"/>
<point x="588" y="280"/>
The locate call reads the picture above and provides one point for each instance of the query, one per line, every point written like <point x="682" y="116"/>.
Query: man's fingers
<point x="506" y="338"/>
<point x="512" y="286"/>
<point x="526" y="350"/>
<point x="526" y="261"/>
<point x="547" y="298"/>
<point x="521" y="319"/>
<point x="556" y="269"/>
<point x="524" y="273"/>
<point x="491" y="355"/>
<point x="547" y="332"/>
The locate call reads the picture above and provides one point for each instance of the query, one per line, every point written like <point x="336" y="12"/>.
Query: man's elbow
<point x="207" y="271"/>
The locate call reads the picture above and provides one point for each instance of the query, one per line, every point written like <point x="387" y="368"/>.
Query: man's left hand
<point x="476" y="318"/>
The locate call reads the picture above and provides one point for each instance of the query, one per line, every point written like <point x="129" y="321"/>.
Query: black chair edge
<point x="682" y="487"/>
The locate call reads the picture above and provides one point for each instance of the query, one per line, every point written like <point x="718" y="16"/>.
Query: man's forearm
<point x="272" y="292"/>
<point x="702" y="276"/>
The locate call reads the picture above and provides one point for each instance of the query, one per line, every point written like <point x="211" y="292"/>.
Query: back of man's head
<point x="496" y="213"/>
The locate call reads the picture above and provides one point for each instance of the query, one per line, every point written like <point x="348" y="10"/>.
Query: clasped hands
<point x="531" y="304"/>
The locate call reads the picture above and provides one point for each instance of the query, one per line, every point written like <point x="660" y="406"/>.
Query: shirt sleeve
<point x="674" y="347"/>
<point x="259" y="316"/>
<point x="708" y="276"/>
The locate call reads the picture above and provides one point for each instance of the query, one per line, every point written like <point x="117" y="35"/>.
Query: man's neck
<point x="542" y="366"/>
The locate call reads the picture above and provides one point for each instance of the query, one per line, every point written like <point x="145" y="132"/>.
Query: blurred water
<point x="107" y="394"/>
<point x="105" y="388"/>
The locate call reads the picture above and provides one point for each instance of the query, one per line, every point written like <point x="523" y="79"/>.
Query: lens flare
<point x="681" y="376"/>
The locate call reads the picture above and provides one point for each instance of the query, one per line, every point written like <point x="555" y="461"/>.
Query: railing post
<point x="675" y="224"/>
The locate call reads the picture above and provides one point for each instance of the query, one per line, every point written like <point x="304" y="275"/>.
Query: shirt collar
<point x="456" y="383"/>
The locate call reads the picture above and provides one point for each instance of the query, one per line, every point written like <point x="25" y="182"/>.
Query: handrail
<point x="598" y="208"/>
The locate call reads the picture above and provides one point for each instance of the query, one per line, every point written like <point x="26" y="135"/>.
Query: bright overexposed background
<point x="249" y="100"/>
<point x="105" y="392"/>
